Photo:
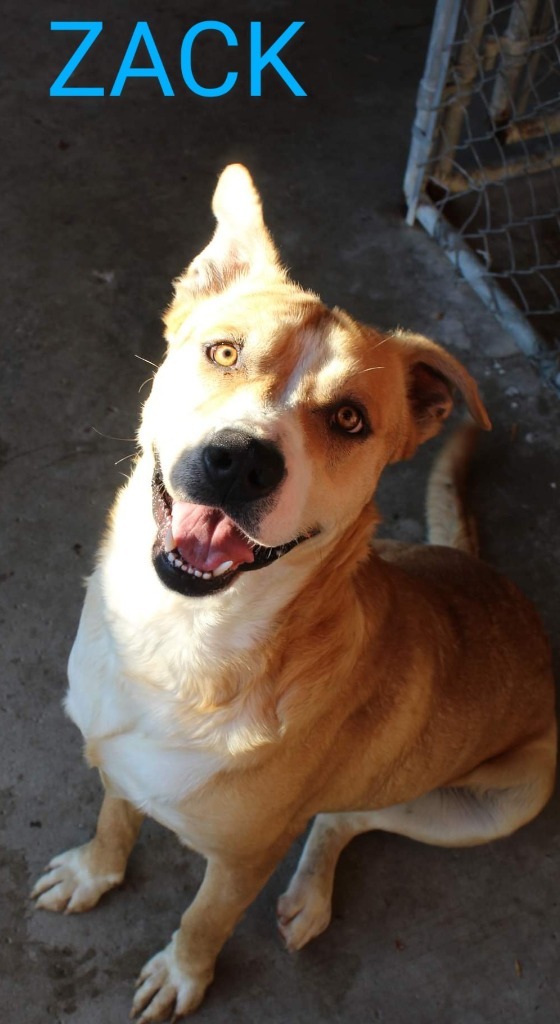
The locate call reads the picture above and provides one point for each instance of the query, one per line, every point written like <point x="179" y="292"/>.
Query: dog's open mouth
<point x="198" y="549"/>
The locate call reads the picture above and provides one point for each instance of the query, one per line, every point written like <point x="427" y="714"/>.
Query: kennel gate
<point x="483" y="170"/>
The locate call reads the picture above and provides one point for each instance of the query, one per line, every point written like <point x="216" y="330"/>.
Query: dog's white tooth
<point x="170" y="558"/>
<point x="190" y="570"/>
<point x="206" y="575"/>
<point x="178" y="563"/>
<point x="169" y="542"/>
<point x="184" y="567"/>
<point x="198" y="573"/>
<point x="222" y="569"/>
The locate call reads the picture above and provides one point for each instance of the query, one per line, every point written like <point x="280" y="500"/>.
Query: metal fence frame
<point x="435" y="116"/>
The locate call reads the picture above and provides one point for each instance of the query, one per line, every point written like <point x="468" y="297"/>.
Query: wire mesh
<point x="485" y="155"/>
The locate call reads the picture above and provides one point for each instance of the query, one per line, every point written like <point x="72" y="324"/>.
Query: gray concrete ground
<point x="104" y="200"/>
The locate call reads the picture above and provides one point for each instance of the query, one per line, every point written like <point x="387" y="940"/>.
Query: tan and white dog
<point x="247" y="658"/>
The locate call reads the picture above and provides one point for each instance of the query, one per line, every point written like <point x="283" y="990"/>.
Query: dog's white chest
<point x="146" y="752"/>
<point x="155" y="778"/>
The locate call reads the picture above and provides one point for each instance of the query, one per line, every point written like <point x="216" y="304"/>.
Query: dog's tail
<point x="447" y="517"/>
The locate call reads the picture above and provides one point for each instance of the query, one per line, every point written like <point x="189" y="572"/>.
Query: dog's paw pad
<point x="165" y="990"/>
<point x="69" y="885"/>
<point x="303" y="912"/>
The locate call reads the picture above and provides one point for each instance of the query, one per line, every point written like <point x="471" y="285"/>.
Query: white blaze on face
<point x="287" y="520"/>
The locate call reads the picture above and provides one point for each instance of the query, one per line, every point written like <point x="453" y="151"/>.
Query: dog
<point x="248" y="658"/>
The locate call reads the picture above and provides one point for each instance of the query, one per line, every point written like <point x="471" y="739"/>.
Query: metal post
<point x="465" y="72"/>
<point x="515" y="47"/>
<point x="429" y="97"/>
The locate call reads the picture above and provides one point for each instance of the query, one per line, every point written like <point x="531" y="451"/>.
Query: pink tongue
<point x="206" y="537"/>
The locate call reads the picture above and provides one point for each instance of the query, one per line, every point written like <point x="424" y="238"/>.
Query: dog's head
<point x="272" y="416"/>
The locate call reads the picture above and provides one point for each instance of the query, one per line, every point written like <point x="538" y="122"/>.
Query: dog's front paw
<point x="304" y="910"/>
<point x="73" y="882"/>
<point x="165" y="989"/>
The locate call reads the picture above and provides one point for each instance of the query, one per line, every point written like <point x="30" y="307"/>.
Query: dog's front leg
<point x="75" y="880"/>
<point x="174" y="981"/>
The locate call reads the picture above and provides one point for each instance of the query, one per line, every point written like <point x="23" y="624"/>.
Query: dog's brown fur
<point x="386" y="686"/>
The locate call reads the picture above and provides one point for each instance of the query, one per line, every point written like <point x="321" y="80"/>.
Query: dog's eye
<point x="223" y="353"/>
<point x="348" y="418"/>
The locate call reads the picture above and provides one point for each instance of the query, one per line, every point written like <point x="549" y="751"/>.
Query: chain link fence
<point x="483" y="174"/>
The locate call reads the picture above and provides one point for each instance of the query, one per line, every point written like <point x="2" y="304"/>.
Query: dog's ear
<point x="241" y="244"/>
<point x="431" y="375"/>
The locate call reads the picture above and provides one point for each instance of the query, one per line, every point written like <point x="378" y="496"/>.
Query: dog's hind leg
<point x="444" y="817"/>
<point x="492" y="801"/>
<point x="75" y="880"/>
<point x="304" y="910"/>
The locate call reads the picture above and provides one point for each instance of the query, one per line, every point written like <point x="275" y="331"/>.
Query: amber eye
<point x="348" y="419"/>
<point x="223" y="353"/>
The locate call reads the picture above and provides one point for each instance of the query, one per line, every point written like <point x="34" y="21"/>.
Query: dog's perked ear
<point x="241" y="244"/>
<point x="431" y="375"/>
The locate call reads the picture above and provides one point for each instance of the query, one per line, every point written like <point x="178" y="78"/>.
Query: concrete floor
<point x="104" y="201"/>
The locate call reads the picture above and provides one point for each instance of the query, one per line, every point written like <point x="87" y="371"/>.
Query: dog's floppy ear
<point x="241" y="244"/>
<point x="431" y="375"/>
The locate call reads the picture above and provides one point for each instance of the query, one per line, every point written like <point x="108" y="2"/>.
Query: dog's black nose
<point x="242" y="468"/>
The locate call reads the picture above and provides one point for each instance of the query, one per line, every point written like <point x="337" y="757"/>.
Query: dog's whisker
<point x="132" y="455"/>
<point x="148" y="361"/>
<point x="144" y="382"/>
<point x="111" y="437"/>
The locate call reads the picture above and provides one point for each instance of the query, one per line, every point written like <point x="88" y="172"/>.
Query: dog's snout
<point x="242" y="467"/>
